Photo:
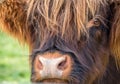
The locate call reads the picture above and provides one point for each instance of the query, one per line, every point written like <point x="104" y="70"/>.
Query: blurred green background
<point x="14" y="61"/>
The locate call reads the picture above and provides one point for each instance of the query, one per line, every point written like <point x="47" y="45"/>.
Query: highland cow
<point x="70" y="41"/>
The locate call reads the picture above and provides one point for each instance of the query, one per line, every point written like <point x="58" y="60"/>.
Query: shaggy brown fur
<point x="56" y="16"/>
<point x="13" y="14"/>
<point x="36" y="21"/>
<point x="115" y="34"/>
<point x="65" y="17"/>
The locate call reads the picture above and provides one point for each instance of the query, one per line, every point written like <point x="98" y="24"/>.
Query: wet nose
<point x="52" y="67"/>
<point x="55" y="67"/>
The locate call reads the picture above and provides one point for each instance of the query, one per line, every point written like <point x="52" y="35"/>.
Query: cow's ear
<point x="115" y="34"/>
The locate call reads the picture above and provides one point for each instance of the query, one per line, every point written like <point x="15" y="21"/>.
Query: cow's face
<point x="65" y="61"/>
<point x="70" y="40"/>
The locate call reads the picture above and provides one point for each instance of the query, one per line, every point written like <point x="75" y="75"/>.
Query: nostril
<point x="63" y="64"/>
<point x="38" y="64"/>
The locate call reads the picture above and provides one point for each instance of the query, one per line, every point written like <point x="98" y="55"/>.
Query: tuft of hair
<point x="115" y="34"/>
<point x="66" y="18"/>
<point x="13" y="14"/>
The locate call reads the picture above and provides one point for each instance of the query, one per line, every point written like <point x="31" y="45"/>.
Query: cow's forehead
<point x="65" y="18"/>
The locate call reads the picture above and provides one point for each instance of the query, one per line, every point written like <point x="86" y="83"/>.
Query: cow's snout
<point x="52" y="66"/>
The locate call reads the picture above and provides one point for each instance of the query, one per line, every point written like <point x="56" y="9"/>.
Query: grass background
<point x="14" y="61"/>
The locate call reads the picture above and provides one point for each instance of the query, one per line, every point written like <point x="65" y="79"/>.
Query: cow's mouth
<point x="55" y="81"/>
